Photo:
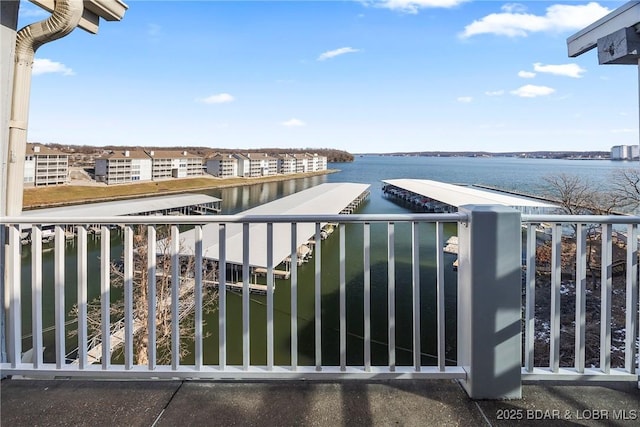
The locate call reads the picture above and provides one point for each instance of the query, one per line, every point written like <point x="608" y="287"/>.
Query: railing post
<point x="489" y="302"/>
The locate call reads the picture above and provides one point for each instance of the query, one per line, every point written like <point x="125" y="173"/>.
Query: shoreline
<point x="69" y="194"/>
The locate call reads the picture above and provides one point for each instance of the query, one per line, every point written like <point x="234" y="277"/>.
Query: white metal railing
<point x="576" y="243"/>
<point x="223" y="369"/>
<point x="569" y="256"/>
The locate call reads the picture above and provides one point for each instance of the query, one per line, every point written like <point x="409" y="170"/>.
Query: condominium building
<point x="625" y="152"/>
<point x="302" y="163"/>
<point x="222" y="165"/>
<point x="286" y="164"/>
<point x="125" y="166"/>
<point x="174" y="164"/>
<point x="261" y="164"/>
<point x="45" y="166"/>
<point x="316" y="162"/>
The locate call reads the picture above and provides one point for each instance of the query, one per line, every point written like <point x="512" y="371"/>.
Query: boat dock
<point x="323" y="199"/>
<point x="439" y="197"/>
<point x="182" y="204"/>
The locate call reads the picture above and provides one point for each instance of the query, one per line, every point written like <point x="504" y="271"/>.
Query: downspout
<point x="63" y="20"/>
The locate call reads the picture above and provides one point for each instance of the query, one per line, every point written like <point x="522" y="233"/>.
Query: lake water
<point x="509" y="173"/>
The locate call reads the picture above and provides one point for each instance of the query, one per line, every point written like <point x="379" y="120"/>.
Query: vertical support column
<point x="8" y="26"/>
<point x="489" y="302"/>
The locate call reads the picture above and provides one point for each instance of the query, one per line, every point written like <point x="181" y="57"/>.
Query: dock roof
<point x="323" y="199"/>
<point x="125" y="207"/>
<point x="458" y="195"/>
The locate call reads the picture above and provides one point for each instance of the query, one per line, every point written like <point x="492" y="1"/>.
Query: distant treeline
<point x="331" y="154"/>
<point x="528" y="154"/>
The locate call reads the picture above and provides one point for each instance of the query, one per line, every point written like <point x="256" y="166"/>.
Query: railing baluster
<point x="605" y="299"/>
<point x="59" y="297"/>
<point x="318" y="295"/>
<point x="36" y="298"/>
<point x="105" y="295"/>
<point x="152" y="294"/>
<point x="556" y="276"/>
<point x="198" y="297"/>
<point x="391" y="294"/>
<point x="128" y="297"/>
<point x="222" y="296"/>
<point x="246" y="354"/>
<point x="294" y="296"/>
<point x="270" y="296"/>
<point x="175" y="297"/>
<point x="440" y="296"/>
<point x="82" y="296"/>
<point x="343" y="300"/>
<point x="581" y="296"/>
<point x="530" y="309"/>
<point x="367" y="296"/>
<point x="631" y="324"/>
<point x="415" y="265"/>
<point x="15" y="296"/>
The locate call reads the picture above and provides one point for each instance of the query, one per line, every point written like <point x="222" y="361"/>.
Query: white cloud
<point x="465" y="99"/>
<point x="526" y="74"/>
<point x="336" y="52"/>
<point x="220" y="98"/>
<point x="569" y="70"/>
<point x="494" y="92"/>
<point x="513" y="8"/>
<point x="46" y="66"/>
<point x="291" y="123"/>
<point x="558" y="17"/>
<point x="627" y="130"/>
<point x="413" y="6"/>
<point x="532" y="91"/>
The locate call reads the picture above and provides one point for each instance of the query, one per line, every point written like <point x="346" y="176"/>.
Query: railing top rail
<point x="581" y="219"/>
<point x="215" y="219"/>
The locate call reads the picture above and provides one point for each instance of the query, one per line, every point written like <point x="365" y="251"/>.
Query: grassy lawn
<point x="73" y="194"/>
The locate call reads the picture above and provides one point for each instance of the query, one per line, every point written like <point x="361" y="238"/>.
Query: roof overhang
<point x="110" y="10"/>
<point x="627" y="15"/>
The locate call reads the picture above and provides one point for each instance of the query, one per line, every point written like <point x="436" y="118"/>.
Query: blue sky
<point x="383" y="76"/>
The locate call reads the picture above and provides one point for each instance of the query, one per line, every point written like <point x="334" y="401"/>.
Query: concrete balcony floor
<point x="347" y="403"/>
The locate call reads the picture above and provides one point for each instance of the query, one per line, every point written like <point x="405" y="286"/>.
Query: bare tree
<point x="625" y="185"/>
<point x="163" y="307"/>
<point x="576" y="195"/>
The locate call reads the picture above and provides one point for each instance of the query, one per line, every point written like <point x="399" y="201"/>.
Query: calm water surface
<point x="509" y="173"/>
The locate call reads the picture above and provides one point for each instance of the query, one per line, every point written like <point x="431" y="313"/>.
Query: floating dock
<point x="324" y="199"/>
<point x="435" y="196"/>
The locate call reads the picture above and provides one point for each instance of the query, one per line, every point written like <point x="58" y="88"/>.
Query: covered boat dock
<point x="180" y="204"/>
<point x="436" y="196"/>
<point x="183" y="204"/>
<point x="324" y="199"/>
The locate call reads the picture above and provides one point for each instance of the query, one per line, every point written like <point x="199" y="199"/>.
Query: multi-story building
<point x="222" y="165"/>
<point x="45" y="166"/>
<point x="138" y="165"/>
<point x="243" y="164"/>
<point x="302" y="163"/>
<point x="625" y="152"/>
<point x="261" y="164"/>
<point x="286" y="164"/>
<point x="316" y="162"/>
<point x="125" y="166"/>
<point x="174" y="164"/>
